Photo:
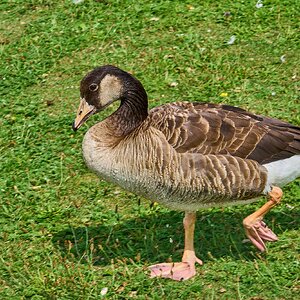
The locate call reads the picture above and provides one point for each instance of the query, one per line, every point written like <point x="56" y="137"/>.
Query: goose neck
<point x="131" y="113"/>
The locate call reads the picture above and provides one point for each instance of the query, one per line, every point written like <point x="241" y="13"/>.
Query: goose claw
<point x="259" y="233"/>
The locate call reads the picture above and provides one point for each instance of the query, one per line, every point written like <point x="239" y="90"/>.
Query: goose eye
<point x="93" y="87"/>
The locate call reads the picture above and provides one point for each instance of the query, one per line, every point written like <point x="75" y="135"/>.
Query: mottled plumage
<point x="186" y="155"/>
<point x="222" y="129"/>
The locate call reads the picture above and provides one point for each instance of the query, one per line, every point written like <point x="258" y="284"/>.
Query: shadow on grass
<point x="158" y="236"/>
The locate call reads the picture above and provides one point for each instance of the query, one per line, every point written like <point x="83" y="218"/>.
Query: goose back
<point x="222" y="129"/>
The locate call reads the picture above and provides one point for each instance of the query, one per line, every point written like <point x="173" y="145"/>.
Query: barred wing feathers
<point x="222" y="129"/>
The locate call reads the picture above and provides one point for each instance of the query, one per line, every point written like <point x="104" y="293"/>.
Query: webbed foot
<point x="177" y="271"/>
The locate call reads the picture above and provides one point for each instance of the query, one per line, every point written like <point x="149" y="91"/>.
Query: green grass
<point x="66" y="234"/>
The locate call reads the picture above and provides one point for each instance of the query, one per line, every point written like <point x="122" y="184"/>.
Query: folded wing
<point x="222" y="129"/>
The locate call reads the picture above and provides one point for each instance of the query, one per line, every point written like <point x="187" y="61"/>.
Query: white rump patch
<point x="282" y="171"/>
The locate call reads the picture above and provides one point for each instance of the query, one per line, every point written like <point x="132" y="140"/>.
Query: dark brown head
<point x="103" y="86"/>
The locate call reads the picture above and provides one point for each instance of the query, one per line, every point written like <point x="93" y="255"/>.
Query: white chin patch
<point x="282" y="171"/>
<point x="110" y="89"/>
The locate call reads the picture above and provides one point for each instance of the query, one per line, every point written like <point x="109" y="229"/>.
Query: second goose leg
<point x="256" y="230"/>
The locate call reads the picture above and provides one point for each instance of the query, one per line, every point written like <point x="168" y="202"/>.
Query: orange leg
<point x="185" y="269"/>
<point x="256" y="230"/>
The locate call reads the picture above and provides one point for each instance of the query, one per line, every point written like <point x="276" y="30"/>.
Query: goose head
<point x="103" y="86"/>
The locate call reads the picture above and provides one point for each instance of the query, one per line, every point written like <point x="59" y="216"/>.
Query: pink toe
<point x="259" y="233"/>
<point x="266" y="233"/>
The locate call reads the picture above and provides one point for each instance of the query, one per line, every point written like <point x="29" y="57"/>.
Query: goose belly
<point x="180" y="182"/>
<point x="174" y="194"/>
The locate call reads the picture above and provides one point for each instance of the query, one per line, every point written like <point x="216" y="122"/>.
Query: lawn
<point x="66" y="234"/>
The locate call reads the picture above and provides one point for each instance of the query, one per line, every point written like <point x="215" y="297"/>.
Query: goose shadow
<point x="158" y="236"/>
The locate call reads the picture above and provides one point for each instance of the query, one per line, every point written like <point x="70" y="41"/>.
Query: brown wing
<point x="222" y="129"/>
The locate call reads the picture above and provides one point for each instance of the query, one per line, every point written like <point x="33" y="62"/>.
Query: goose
<point x="186" y="156"/>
